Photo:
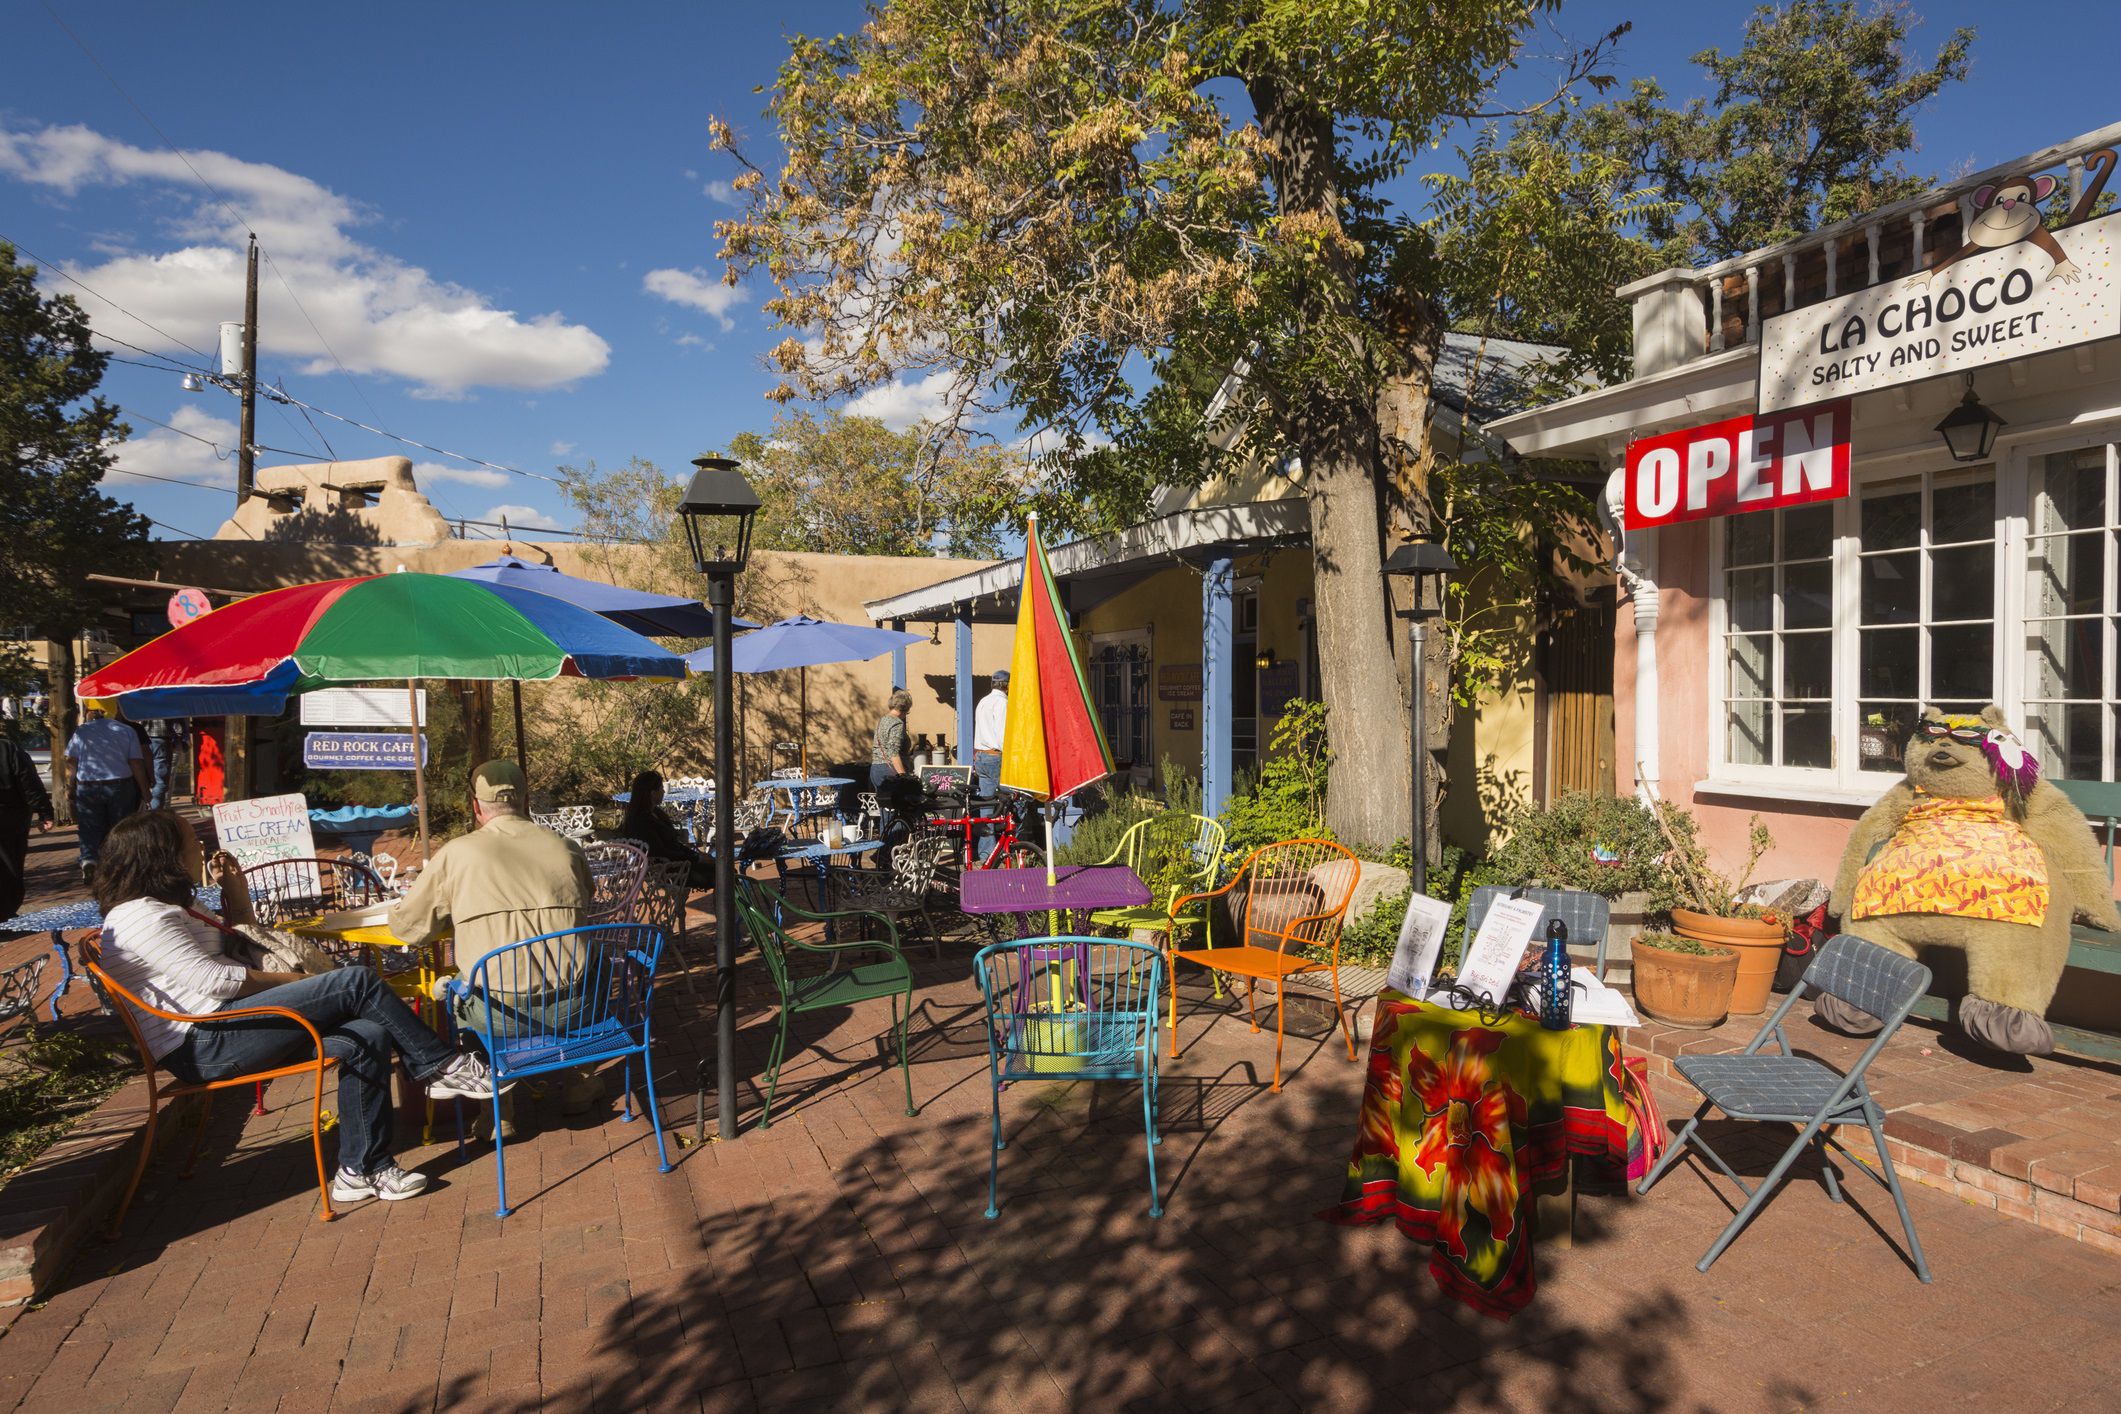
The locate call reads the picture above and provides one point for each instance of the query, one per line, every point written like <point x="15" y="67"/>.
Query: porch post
<point x="898" y="658"/>
<point x="1635" y="564"/>
<point x="1218" y="648"/>
<point x="964" y="685"/>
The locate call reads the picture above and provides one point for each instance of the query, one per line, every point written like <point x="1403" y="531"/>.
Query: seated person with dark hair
<point x="645" y="821"/>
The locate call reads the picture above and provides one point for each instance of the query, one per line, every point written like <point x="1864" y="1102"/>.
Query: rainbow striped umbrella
<point x="1052" y="743"/>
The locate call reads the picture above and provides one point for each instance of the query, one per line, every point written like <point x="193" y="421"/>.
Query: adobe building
<point x="1866" y="470"/>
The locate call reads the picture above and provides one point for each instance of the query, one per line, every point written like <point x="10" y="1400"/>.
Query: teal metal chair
<point x="888" y="975"/>
<point x="1071" y="1008"/>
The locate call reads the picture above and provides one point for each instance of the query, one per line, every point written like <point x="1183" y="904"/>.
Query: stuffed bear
<point x="1972" y="850"/>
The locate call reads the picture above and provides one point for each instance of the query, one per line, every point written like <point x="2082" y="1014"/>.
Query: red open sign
<point x="1741" y="464"/>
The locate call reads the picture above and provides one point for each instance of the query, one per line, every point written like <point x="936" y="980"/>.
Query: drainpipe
<point x="1635" y="565"/>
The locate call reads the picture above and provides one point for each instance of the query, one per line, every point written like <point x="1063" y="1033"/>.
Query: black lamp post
<point x="717" y="510"/>
<point x="1425" y="566"/>
<point x="1969" y="430"/>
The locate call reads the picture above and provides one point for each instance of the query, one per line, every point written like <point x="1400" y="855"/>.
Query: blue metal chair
<point x="557" y="1002"/>
<point x="1071" y="1008"/>
<point x="1793" y="1089"/>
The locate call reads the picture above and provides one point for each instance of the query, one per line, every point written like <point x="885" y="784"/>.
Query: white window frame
<point x="1139" y="638"/>
<point x="2025" y="468"/>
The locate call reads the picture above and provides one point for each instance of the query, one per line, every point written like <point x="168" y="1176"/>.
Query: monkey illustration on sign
<point x="2009" y="212"/>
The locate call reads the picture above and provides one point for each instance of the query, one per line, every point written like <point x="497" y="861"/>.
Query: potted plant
<point x="1880" y="739"/>
<point x="1712" y="912"/>
<point x="1683" y="982"/>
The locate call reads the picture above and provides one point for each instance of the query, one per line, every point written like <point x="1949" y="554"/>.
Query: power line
<point x="68" y="274"/>
<point x="130" y="412"/>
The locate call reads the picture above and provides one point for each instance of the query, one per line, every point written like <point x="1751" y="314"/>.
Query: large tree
<point x="57" y="440"/>
<point x="1087" y="212"/>
<point x="850" y="485"/>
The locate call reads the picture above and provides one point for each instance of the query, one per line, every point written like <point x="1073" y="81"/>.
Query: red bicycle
<point x="1017" y="815"/>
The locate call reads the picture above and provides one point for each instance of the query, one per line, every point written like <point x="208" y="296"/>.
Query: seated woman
<point x="645" y="821"/>
<point x="162" y="950"/>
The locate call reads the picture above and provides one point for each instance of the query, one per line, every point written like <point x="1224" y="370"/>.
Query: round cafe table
<point x="79" y="917"/>
<point x="1462" y="1116"/>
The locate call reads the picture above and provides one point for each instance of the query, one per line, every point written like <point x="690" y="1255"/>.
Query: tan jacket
<point x="503" y="883"/>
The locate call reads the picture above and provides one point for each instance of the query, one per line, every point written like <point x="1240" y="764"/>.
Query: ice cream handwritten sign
<point x="2014" y="288"/>
<point x="1740" y="464"/>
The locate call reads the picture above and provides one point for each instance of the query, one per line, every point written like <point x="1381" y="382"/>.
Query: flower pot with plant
<point x="1683" y="982"/>
<point x="1712" y="913"/>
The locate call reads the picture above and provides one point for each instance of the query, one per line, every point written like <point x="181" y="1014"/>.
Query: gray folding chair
<point x="1793" y="1089"/>
<point x="1586" y="914"/>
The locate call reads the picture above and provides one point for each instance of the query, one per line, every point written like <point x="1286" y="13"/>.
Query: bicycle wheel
<point x="1021" y="855"/>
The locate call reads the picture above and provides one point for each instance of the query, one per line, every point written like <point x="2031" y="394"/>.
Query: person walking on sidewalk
<point x="110" y="779"/>
<point x="165" y="736"/>
<point x="23" y="799"/>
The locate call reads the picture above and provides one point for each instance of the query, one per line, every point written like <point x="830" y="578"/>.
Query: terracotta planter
<point x="1682" y="989"/>
<point x="1757" y="942"/>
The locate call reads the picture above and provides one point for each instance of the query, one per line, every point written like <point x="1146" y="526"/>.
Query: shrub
<point x="1602" y="844"/>
<point x="1286" y="800"/>
<point x="1672" y="942"/>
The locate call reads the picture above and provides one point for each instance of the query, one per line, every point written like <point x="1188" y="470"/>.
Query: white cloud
<point x="524" y="518"/>
<point x="692" y="341"/>
<point x="426" y="473"/>
<point x="722" y="192"/>
<point x="381" y="315"/>
<point x="561" y="449"/>
<point x="157" y="451"/>
<point x="695" y="289"/>
<point x="899" y="404"/>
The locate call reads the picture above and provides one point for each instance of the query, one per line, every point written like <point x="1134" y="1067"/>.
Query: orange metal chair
<point x="1296" y="895"/>
<point x="122" y="1000"/>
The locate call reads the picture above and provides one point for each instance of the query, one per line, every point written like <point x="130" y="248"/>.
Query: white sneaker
<point x="389" y="1183"/>
<point x="467" y="1077"/>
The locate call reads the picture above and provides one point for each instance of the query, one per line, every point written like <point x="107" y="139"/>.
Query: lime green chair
<point x="1144" y="848"/>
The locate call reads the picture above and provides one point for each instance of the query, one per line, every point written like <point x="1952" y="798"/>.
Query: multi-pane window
<point x="1778" y="584"/>
<point x="2069" y="613"/>
<point x="1119" y="685"/>
<point x="1926" y="606"/>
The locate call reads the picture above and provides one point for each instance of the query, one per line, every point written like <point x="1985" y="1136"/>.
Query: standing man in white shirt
<point x="989" y="720"/>
<point x="110" y="779"/>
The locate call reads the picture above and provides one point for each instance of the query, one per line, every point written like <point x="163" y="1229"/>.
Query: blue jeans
<point x="98" y="805"/>
<point x="987" y="769"/>
<point x="161" y="757"/>
<point x="363" y="1025"/>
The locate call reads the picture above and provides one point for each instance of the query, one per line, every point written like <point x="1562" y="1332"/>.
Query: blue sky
<point x="500" y="219"/>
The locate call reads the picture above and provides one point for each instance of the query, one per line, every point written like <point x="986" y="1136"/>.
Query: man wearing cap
<point x="504" y="883"/>
<point x="989" y="720"/>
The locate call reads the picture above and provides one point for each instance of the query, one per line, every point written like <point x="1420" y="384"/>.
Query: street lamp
<point x="717" y="510"/>
<point x="1425" y="565"/>
<point x="1969" y="429"/>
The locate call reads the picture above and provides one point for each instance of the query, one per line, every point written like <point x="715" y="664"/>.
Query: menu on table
<point x="1492" y="962"/>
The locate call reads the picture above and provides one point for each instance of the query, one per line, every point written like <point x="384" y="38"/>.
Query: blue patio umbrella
<point x="655" y="615"/>
<point x="802" y="642"/>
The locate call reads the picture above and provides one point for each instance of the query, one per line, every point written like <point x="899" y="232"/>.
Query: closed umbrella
<point x="802" y="643"/>
<point x="249" y="657"/>
<point x="1052" y="742"/>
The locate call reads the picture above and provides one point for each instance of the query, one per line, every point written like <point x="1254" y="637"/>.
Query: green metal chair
<point x="845" y="984"/>
<point x="1143" y="846"/>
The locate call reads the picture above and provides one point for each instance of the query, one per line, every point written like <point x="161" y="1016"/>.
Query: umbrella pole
<point x="419" y="772"/>
<point x="522" y="761"/>
<point x="802" y="731"/>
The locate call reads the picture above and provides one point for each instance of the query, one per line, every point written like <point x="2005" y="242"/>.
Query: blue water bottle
<point x="1554" y="989"/>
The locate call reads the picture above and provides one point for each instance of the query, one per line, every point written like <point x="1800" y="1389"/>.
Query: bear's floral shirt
<point x="1960" y="857"/>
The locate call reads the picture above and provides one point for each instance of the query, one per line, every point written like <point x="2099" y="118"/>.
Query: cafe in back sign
<point x="2013" y="288"/>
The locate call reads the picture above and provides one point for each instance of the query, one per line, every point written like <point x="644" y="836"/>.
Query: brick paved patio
<point x="841" y="1260"/>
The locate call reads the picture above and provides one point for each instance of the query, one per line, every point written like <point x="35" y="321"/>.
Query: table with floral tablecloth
<point x="1461" y="1116"/>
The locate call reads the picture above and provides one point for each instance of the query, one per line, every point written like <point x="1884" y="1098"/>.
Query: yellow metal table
<point x="414" y="985"/>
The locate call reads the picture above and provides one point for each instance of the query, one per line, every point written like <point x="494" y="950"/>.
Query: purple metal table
<point x="1074" y="886"/>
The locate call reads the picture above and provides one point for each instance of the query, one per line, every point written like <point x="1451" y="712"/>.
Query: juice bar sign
<point x="1740" y="464"/>
<point x="1995" y="299"/>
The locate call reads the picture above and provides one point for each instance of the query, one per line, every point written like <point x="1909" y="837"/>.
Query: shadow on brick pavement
<point x="840" y="1259"/>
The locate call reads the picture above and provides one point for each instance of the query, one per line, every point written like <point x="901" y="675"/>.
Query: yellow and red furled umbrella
<point x="1053" y="744"/>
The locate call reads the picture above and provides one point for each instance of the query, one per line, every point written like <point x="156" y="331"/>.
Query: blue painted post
<point x="964" y="685"/>
<point x="898" y="658"/>
<point x="1218" y="651"/>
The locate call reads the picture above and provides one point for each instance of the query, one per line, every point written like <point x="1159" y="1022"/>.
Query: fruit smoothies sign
<point x="265" y="829"/>
<point x="1740" y="464"/>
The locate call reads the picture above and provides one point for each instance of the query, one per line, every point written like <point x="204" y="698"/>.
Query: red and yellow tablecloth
<point x="1460" y="1118"/>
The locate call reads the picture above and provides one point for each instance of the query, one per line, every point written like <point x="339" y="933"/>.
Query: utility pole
<point x="236" y="733"/>
<point x="246" y="454"/>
